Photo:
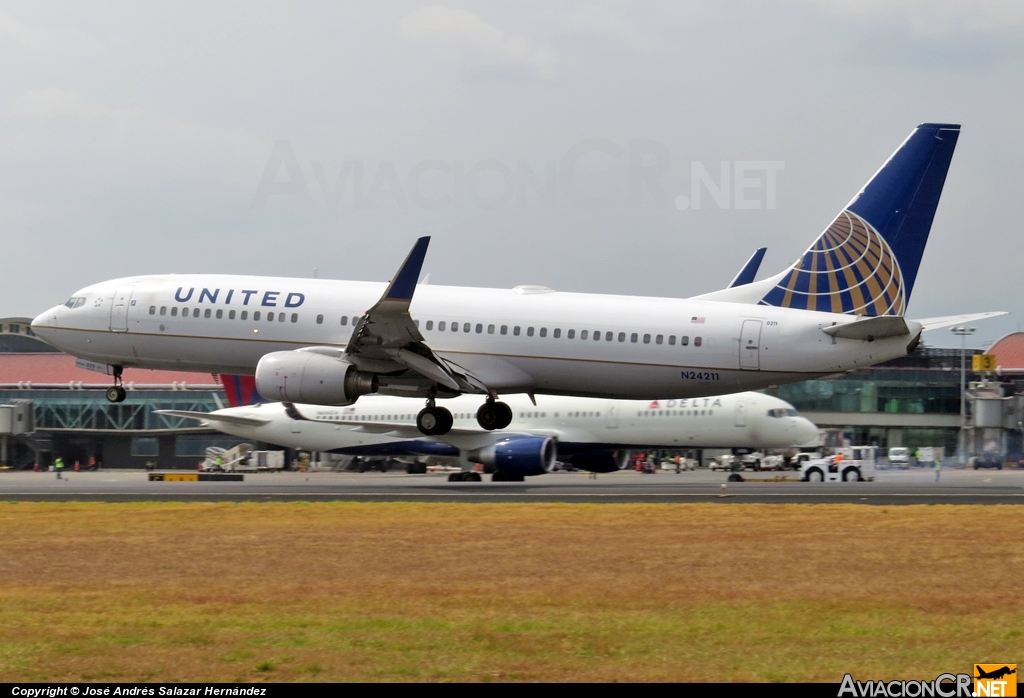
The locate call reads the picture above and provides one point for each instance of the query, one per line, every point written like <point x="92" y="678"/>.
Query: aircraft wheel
<point x="504" y="415"/>
<point x="434" y="421"/>
<point x="487" y="416"/>
<point x="116" y="393"/>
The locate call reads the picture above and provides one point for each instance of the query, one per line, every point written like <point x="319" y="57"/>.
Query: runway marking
<point x="510" y="492"/>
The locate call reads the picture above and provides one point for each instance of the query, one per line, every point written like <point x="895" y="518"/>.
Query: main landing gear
<point x="494" y="415"/>
<point x="433" y="420"/>
<point x="116" y="392"/>
<point x="437" y="421"/>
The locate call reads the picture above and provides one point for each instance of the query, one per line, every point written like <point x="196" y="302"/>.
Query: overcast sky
<point x="538" y="143"/>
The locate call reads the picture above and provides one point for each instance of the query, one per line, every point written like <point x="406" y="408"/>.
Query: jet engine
<point x="519" y="455"/>
<point x="306" y="376"/>
<point x="599" y="461"/>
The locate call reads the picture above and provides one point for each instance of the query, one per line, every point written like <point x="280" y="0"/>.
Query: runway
<point x="890" y="488"/>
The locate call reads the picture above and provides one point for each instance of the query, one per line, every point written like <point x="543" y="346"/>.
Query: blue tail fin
<point x="867" y="261"/>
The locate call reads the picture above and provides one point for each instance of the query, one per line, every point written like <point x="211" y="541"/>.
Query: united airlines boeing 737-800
<point x="590" y="433"/>
<point x="839" y="307"/>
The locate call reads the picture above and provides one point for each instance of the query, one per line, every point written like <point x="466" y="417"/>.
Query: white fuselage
<point x="518" y="340"/>
<point x="748" y="420"/>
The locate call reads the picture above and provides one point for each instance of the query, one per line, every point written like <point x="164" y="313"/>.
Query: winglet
<point x="403" y="285"/>
<point x="749" y="270"/>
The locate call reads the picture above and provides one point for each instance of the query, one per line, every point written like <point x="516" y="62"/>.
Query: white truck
<point x="846" y="464"/>
<point x="241" y="459"/>
<point x="899" y="457"/>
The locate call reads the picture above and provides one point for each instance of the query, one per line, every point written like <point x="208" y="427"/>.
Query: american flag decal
<point x="697" y="320"/>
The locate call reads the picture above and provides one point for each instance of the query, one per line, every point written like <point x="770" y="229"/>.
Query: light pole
<point x="963" y="333"/>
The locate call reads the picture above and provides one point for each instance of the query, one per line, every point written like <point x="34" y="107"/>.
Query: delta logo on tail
<point x="240" y="390"/>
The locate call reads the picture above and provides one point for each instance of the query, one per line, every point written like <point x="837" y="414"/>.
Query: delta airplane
<point x="590" y="433"/>
<point x="839" y="307"/>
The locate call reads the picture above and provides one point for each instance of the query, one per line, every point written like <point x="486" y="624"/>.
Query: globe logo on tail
<point x="849" y="269"/>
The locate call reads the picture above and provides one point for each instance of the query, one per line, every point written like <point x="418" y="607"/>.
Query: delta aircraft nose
<point x="804" y="430"/>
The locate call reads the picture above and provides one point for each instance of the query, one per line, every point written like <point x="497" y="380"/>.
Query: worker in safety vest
<point x="59" y="466"/>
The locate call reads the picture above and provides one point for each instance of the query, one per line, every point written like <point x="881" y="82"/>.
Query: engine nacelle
<point x="599" y="461"/>
<point x="305" y="376"/>
<point x="519" y="455"/>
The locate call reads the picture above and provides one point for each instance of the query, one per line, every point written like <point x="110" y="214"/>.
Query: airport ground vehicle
<point x="241" y="458"/>
<point x="845" y="464"/>
<point x="899" y="457"/>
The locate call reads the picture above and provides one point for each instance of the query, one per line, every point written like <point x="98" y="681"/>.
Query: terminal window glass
<point x="145" y="446"/>
<point x="295" y="317"/>
<point x="245" y="315"/>
<point x="344" y="319"/>
<point x="571" y="334"/>
<point x="220" y="313"/>
<point x="231" y="315"/>
<point x="529" y="331"/>
<point x="441" y="326"/>
<point x="152" y="310"/>
<point x="174" y="312"/>
<point x="515" y="330"/>
<point x="256" y="315"/>
<point x="430" y="324"/>
<point x="697" y="341"/>
<point x="207" y="313"/>
<point x="163" y="309"/>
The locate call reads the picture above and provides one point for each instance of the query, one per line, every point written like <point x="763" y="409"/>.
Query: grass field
<point x="286" y="591"/>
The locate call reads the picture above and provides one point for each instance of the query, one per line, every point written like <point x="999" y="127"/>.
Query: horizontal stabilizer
<point x="214" y="417"/>
<point x="937" y="323"/>
<point x="870" y="329"/>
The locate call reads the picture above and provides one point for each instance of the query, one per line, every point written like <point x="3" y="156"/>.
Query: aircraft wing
<point x="403" y="430"/>
<point x="386" y="337"/>
<point x="214" y="417"/>
<point x="937" y="323"/>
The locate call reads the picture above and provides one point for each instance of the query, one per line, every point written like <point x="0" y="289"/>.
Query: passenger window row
<point x="635" y="337"/>
<point x="676" y="413"/>
<point x="209" y="313"/>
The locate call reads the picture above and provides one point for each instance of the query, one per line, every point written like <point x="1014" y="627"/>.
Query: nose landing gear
<point x="494" y="415"/>
<point x="116" y="392"/>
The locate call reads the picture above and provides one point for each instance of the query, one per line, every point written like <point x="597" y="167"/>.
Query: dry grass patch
<point x="345" y="591"/>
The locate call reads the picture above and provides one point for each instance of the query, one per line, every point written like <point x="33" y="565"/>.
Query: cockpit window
<point x="783" y="412"/>
<point x="76" y="302"/>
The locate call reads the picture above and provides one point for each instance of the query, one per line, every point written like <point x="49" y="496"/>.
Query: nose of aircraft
<point x="804" y="430"/>
<point x="45" y="321"/>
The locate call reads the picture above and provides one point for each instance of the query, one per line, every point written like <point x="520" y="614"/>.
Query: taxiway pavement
<point x="889" y="488"/>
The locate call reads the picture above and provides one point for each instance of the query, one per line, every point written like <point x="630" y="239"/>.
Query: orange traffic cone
<point x="77" y="469"/>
